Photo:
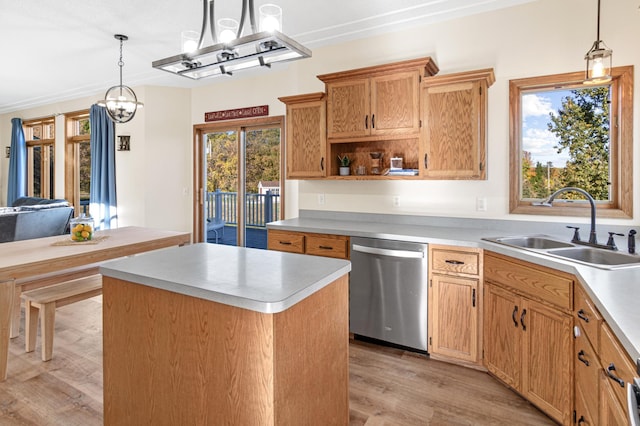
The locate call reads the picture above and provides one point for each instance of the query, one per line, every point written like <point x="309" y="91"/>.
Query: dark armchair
<point x="32" y="217"/>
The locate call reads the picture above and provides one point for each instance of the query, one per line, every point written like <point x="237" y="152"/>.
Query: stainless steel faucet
<point x="593" y="240"/>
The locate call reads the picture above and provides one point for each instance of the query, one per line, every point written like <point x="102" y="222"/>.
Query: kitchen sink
<point x="539" y="242"/>
<point x="591" y="256"/>
<point x="596" y="257"/>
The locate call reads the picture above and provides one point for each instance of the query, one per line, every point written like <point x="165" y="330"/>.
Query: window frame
<point x="199" y="159"/>
<point x="47" y="156"/>
<point x="621" y="145"/>
<point x="72" y="157"/>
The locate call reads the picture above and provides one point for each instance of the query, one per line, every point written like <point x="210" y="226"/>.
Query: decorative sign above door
<point x="233" y="114"/>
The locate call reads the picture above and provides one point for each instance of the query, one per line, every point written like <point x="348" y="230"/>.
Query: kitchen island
<point x="211" y="334"/>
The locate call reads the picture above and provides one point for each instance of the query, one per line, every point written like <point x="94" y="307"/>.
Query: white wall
<point x="538" y="38"/>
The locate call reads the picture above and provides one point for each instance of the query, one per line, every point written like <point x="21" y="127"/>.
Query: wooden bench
<point x="44" y="301"/>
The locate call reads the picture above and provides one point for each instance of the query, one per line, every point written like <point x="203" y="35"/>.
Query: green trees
<point x="262" y="162"/>
<point x="581" y="126"/>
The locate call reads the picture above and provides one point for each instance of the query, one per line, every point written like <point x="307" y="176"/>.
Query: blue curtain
<point x="102" y="194"/>
<point x="17" y="186"/>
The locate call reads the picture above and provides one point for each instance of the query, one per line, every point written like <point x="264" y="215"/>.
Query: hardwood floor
<point x="387" y="386"/>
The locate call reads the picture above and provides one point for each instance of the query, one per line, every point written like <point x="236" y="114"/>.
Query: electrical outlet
<point x="481" y="204"/>
<point x="321" y="199"/>
<point x="396" y="201"/>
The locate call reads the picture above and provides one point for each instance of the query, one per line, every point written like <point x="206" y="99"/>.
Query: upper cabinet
<point x="454" y="126"/>
<point x="306" y="136"/>
<point x="376" y="101"/>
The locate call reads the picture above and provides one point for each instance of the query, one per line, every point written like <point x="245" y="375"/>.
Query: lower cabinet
<point x="455" y="304"/>
<point x="611" y="412"/>
<point x="528" y="344"/>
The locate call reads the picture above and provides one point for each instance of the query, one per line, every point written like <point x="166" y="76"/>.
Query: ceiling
<point x="64" y="49"/>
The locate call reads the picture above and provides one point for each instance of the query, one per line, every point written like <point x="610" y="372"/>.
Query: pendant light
<point x="263" y="46"/>
<point x="121" y="101"/>
<point x="598" y="60"/>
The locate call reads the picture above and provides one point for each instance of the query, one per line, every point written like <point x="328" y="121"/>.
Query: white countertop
<point x="616" y="293"/>
<point x="259" y="280"/>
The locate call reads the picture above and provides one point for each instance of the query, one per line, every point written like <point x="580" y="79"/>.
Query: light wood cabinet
<point x="612" y="413"/>
<point x="327" y="245"/>
<point x="454" y="125"/>
<point x="617" y="369"/>
<point x="455" y="303"/>
<point x="375" y="101"/>
<point x="306" y="138"/>
<point x="527" y="332"/>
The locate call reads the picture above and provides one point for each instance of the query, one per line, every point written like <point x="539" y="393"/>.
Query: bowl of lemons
<point x="81" y="228"/>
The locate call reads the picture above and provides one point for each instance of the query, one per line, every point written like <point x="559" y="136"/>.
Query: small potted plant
<point x="344" y="162"/>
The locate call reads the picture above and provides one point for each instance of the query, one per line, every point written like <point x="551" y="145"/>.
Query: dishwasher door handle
<point x="388" y="252"/>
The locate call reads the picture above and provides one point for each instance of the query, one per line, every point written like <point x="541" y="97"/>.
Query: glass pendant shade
<point x="270" y="17"/>
<point x="599" y="60"/>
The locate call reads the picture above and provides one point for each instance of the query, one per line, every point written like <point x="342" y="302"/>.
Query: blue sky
<point x="536" y="137"/>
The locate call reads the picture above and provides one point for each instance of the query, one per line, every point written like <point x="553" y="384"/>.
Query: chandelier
<point x="121" y="101"/>
<point x="598" y="60"/>
<point x="231" y="51"/>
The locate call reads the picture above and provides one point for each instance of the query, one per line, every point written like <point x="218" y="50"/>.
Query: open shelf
<point x="358" y="152"/>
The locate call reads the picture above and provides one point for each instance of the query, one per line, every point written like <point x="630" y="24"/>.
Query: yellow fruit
<point x="74" y="237"/>
<point x="87" y="228"/>
<point x="85" y="234"/>
<point x="78" y="228"/>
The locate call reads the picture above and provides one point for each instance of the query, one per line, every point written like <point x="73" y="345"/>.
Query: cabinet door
<point x="502" y="334"/>
<point x="587" y="377"/>
<point x="348" y="109"/>
<point x="546" y="359"/>
<point x="453" y="131"/>
<point x="454" y="317"/>
<point x="394" y="104"/>
<point x="611" y="412"/>
<point x="306" y="140"/>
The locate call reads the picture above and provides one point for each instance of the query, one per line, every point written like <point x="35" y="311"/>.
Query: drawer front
<point x="611" y="352"/>
<point x="465" y="262"/>
<point x="587" y="373"/>
<point x="292" y="242"/>
<point x="328" y="245"/>
<point x="530" y="280"/>
<point x="587" y="316"/>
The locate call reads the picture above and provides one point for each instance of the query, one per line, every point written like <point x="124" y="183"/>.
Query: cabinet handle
<point x="373" y="121"/>
<point x="524" y="312"/>
<point x="473" y="297"/>
<point x="454" y="262"/>
<point x="366" y="121"/>
<point x="325" y="247"/>
<point x="513" y="315"/>
<point x="322" y="164"/>
<point x="581" y="420"/>
<point x="612" y="376"/>
<point x="582" y="316"/>
<point x="582" y="359"/>
<point x="426" y="162"/>
<point x="285" y="243"/>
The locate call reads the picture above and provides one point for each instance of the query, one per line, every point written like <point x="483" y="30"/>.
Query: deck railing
<point x="260" y="208"/>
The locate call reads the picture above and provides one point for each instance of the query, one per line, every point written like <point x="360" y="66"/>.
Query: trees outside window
<point x="78" y="160"/>
<point x="40" y="141"/>
<point x="565" y="133"/>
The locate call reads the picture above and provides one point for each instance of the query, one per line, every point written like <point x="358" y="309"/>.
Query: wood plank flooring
<point x="387" y="386"/>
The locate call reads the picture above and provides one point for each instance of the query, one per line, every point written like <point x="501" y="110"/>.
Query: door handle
<point x="373" y="121"/>
<point x="322" y="164"/>
<point x="582" y="316"/>
<point x="612" y="376"/>
<point x="473" y="298"/>
<point x="454" y="262"/>
<point x="524" y="327"/>
<point x="582" y="358"/>
<point x="513" y="315"/>
<point x="387" y="252"/>
<point x="426" y="162"/>
<point x="366" y="121"/>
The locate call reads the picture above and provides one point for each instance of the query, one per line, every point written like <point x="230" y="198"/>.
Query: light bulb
<point x="598" y="68"/>
<point x="228" y="30"/>
<point x="270" y="18"/>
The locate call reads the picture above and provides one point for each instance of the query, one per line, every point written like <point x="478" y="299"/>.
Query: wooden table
<point x="32" y="258"/>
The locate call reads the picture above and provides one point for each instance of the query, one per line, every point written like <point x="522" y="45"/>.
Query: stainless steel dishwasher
<point x="388" y="291"/>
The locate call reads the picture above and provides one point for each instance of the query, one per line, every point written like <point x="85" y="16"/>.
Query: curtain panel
<point x="17" y="182"/>
<point x="102" y="194"/>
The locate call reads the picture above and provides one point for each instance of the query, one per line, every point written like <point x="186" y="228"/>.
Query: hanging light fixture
<point x="228" y="53"/>
<point x="598" y="60"/>
<point x="121" y="101"/>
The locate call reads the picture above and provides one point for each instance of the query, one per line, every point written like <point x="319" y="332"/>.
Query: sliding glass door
<point x="241" y="178"/>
